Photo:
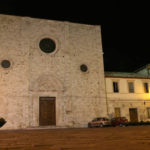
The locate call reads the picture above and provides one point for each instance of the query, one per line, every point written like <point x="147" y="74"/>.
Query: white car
<point x="99" y="122"/>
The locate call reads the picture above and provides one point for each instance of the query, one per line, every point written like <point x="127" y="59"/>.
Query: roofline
<point x="144" y="66"/>
<point x="127" y="77"/>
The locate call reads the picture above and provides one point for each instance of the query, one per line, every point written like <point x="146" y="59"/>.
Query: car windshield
<point x="98" y="119"/>
<point x="119" y="118"/>
<point x="115" y="118"/>
<point x="94" y="119"/>
<point x="105" y="119"/>
<point x="123" y="118"/>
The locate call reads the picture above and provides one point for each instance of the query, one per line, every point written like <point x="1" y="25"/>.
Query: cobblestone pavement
<point x="113" y="138"/>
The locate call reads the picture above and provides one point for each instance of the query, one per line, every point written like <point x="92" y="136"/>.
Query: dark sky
<point x="125" y="27"/>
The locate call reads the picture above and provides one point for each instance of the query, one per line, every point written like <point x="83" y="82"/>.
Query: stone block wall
<point x="80" y="96"/>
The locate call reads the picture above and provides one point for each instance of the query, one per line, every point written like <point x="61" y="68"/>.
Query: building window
<point x="146" y="89"/>
<point x="115" y="87"/>
<point x="5" y="63"/>
<point x="131" y="87"/>
<point x="148" y="112"/>
<point x="47" y="45"/>
<point x="117" y="112"/>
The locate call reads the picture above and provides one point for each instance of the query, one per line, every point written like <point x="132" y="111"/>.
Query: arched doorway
<point x="46" y="96"/>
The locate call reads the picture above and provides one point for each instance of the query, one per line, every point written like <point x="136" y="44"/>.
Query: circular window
<point x="47" y="45"/>
<point x="84" y="68"/>
<point x="5" y="63"/>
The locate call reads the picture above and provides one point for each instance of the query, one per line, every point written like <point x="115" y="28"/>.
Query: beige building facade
<point x="128" y="94"/>
<point x="51" y="73"/>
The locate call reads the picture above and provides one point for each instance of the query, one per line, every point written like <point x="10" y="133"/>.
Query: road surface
<point x="112" y="138"/>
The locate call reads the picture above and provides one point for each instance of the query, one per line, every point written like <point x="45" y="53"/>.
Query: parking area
<point x="110" y="138"/>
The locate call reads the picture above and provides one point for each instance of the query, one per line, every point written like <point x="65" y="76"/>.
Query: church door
<point x="47" y="113"/>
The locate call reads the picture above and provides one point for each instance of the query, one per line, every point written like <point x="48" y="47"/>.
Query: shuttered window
<point x="131" y="87"/>
<point x="115" y="87"/>
<point x="146" y="89"/>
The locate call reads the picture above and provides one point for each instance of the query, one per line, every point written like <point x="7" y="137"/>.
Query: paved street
<point x="113" y="138"/>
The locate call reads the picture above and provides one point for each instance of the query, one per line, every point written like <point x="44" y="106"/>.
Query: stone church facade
<point x="51" y="73"/>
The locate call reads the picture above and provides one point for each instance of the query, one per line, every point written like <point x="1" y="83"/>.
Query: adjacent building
<point x="128" y="94"/>
<point x="51" y="73"/>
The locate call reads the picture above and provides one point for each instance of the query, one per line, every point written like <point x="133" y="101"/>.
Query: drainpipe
<point x="106" y="97"/>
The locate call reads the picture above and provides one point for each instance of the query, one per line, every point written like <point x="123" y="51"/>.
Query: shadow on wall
<point x="2" y="122"/>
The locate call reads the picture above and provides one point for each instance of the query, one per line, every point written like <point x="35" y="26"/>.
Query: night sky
<point x="125" y="27"/>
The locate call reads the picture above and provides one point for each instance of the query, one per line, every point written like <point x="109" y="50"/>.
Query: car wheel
<point x="89" y="126"/>
<point x="101" y="125"/>
<point x="122" y="125"/>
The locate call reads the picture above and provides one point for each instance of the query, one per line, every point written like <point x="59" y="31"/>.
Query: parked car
<point x="119" y="121"/>
<point x="99" y="122"/>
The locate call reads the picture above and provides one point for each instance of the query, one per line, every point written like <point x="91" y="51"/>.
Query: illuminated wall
<point x="80" y="94"/>
<point x="125" y="100"/>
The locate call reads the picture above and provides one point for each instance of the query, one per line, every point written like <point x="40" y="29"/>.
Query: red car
<point x="119" y="121"/>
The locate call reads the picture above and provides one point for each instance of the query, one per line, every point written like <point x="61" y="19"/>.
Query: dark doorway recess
<point x="133" y="114"/>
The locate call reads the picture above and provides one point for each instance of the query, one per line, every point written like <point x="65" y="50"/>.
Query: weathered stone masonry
<point x="80" y="96"/>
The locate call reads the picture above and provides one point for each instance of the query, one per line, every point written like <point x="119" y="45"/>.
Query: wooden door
<point x="133" y="114"/>
<point x="117" y="112"/>
<point x="47" y="114"/>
